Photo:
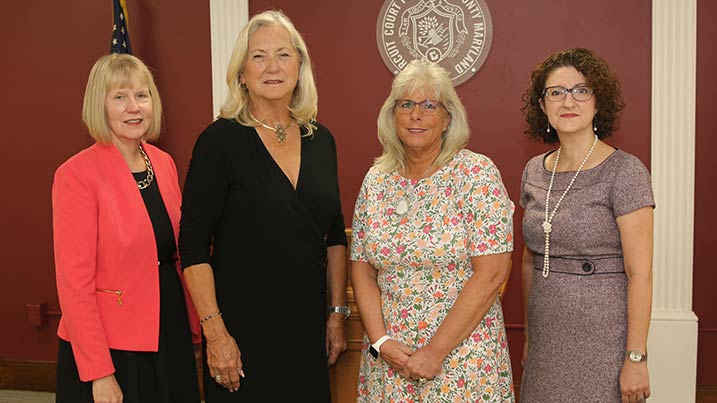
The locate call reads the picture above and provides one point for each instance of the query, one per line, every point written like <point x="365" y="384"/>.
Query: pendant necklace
<point x="279" y="129"/>
<point x="547" y="224"/>
<point x="402" y="205"/>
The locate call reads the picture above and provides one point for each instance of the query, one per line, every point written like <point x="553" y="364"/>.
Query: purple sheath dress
<point x="577" y="316"/>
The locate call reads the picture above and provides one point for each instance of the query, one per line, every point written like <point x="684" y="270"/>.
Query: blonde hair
<point x="433" y="80"/>
<point x="111" y="72"/>
<point x="303" y="107"/>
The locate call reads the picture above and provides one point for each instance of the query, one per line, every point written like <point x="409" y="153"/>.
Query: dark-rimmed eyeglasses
<point x="581" y="93"/>
<point x="427" y="107"/>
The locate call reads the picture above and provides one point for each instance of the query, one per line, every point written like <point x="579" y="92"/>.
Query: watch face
<point x="635" y="356"/>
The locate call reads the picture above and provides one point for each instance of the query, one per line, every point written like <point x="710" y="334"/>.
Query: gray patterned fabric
<point x="577" y="317"/>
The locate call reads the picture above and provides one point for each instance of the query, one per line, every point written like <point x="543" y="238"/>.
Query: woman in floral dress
<point x="433" y="233"/>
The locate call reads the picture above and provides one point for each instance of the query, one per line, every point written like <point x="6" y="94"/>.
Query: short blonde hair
<point x="435" y="81"/>
<point x="117" y="71"/>
<point x="303" y="107"/>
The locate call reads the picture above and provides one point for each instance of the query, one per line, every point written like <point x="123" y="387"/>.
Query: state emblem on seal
<point x="456" y="34"/>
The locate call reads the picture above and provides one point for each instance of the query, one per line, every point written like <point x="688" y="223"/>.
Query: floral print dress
<point x="423" y="257"/>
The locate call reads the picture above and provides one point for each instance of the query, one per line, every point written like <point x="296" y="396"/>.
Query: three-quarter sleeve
<point x="337" y="231"/>
<point x="75" y="234"/>
<point x="487" y="210"/>
<point x="205" y="191"/>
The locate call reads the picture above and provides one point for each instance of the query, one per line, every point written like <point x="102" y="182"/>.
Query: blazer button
<point x="587" y="267"/>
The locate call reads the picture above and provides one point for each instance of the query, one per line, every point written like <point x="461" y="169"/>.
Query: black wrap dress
<point x="266" y="243"/>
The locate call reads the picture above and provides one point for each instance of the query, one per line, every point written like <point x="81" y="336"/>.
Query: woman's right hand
<point x="396" y="355"/>
<point x="106" y="390"/>
<point x="224" y="361"/>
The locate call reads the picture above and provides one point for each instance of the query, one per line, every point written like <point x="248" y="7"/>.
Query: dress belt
<point x="582" y="266"/>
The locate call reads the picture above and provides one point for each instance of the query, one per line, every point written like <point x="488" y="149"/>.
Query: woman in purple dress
<point x="587" y="262"/>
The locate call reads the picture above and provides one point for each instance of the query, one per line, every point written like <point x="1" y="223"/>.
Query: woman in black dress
<point x="262" y="233"/>
<point x="124" y="333"/>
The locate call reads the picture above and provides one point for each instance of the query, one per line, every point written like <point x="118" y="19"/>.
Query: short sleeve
<point x="359" y="225"/>
<point x="632" y="187"/>
<point x="487" y="210"/>
<point x="523" y="181"/>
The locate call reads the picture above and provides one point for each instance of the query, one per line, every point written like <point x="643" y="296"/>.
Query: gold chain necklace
<point x="547" y="224"/>
<point x="144" y="183"/>
<point x="279" y="129"/>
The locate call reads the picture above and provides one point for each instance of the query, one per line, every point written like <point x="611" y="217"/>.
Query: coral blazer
<point x="106" y="256"/>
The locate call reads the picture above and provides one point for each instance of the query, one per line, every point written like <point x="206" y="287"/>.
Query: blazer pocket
<point x="108" y="291"/>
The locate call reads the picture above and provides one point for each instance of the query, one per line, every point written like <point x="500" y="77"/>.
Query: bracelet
<point x="211" y="315"/>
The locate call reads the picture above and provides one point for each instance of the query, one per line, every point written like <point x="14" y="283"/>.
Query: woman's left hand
<point x="634" y="382"/>
<point x="424" y="363"/>
<point x="335" y="337"/>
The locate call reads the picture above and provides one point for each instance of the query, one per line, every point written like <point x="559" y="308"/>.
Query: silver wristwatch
<point x="635" y="356"/>
<point x="343" y="310"/>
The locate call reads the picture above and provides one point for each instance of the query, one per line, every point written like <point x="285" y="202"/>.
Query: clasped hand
<point x="421" y="364"/>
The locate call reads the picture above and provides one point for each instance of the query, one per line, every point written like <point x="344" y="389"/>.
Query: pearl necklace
<point x="279" y="129"/>
<point x="144" y="183"/>
<point x="547" y="226"/>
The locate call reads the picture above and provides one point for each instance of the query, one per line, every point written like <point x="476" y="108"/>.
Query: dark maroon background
<point x="49" y="48"/>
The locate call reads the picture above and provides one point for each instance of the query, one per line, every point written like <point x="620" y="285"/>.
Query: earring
<point x="548" y="129"/>
<point x="243" y="87"/>
<point x="594" y="127"/>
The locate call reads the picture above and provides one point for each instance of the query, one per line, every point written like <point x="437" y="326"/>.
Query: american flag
<point x="120" y="34"/>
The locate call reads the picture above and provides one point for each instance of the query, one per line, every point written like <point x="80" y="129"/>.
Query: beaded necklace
<point x="547" y="224"/>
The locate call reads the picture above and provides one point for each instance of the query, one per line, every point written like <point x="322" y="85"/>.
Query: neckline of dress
<point x="547" y="171"/>
<point x="400" y="177"/>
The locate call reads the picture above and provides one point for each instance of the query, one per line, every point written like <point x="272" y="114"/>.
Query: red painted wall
<point x="353" y="82"/>
<point x="705" y="194"/>
<point x="50" y="49"/>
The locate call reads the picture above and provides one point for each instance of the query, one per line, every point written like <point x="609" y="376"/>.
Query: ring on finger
<point x="218" y="378"/>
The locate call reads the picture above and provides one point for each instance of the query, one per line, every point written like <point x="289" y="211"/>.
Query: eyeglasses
<point x="581" y="93"/>
<point x="427" y="107"/>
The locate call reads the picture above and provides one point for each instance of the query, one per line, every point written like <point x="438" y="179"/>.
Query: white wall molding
<point x="673" y="334"/>
<point x="227" y="17"/>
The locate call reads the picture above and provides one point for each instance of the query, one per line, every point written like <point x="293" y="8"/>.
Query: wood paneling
<point x="38" y="376"/>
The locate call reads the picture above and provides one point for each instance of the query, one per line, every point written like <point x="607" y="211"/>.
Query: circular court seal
<point x="456" y="34"/>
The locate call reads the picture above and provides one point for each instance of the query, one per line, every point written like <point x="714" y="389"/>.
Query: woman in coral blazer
<point x="125" y="329"/>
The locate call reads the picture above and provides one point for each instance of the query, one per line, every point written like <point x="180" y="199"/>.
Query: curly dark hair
<point x="599" y="76"/>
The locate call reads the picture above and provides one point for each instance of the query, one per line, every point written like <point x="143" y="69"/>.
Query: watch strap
<point x="342" y="309"/>
<point x="375" y="348"/>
